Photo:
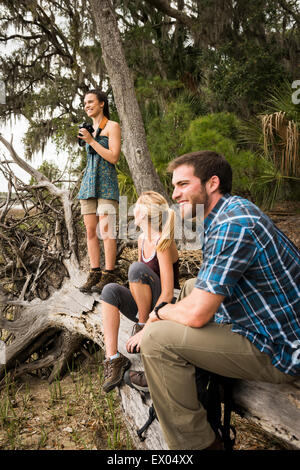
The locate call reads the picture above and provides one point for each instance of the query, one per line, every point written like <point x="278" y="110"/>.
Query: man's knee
<point x="161" y="336"/>
<point x="154" y="337"/>
<point x="187" y="288"/>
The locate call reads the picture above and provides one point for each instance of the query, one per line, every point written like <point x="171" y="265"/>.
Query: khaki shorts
<point x="99" y="206"/>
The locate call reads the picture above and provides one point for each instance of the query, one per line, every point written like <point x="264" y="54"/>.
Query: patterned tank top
<point x="100" y="177"/>
<point x="153" y="263"/>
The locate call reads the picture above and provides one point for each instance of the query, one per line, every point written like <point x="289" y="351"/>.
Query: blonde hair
<point x="157" y="210"/>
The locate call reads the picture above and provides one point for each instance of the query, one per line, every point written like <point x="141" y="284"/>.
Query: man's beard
<point x="203" y="202"/>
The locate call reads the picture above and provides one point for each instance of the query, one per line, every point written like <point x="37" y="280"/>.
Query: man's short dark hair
<point x="206" y="164"/>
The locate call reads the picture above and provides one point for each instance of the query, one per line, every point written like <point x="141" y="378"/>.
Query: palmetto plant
<point x="281" y="143"/>
<point x="275" y="136"/>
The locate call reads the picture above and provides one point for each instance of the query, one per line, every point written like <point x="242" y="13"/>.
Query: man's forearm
<point x="195" y="310"/>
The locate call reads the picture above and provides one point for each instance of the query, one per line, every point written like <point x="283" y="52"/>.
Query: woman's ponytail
<point x="167" y="233"/>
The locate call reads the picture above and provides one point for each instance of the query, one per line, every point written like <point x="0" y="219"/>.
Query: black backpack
<point x="212" y="389"/>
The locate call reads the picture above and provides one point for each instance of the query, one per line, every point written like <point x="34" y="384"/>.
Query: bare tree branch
<point x="165" y="7"/>
<point x="43" y="181"/>
<point x="288" y="9"/>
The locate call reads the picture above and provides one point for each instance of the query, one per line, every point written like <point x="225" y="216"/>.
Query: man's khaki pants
<point x="171" y="350"/>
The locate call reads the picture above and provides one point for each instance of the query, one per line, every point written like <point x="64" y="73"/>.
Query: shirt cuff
<point x="214" y="287"/>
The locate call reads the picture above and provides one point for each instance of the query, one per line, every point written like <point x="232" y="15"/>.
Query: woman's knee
<point x="110" y="294"/>
<point x="136" y="272"/>
<point x="91" y="233"/>
<point x="91" y="222"/>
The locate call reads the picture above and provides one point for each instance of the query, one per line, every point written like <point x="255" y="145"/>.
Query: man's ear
<point x="213" y="184"/>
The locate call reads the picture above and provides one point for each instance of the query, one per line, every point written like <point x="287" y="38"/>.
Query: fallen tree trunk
<point x="276" y="408"/>
<point x="67" y="316"/>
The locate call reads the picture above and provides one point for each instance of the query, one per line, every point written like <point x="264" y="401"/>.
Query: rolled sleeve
<point x="213" y="287"/>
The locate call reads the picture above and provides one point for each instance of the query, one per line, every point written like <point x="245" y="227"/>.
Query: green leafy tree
<point x="227" y="55"/>
<point x="219" y="132"/>
<point x="222" y="56"/>
<point x="166" y="133"/>
<point x="53" y="58"/>
<point x="235" y="51"/>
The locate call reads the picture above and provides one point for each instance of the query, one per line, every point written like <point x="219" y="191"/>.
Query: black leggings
<point x="121" y="297"/>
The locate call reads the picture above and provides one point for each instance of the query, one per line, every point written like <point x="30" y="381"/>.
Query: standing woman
<point x="99" y="193"/>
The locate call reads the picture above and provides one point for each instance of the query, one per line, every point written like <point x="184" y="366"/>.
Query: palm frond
<point x="281" y="142"/>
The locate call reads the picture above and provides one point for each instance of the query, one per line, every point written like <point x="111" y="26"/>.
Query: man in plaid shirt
<point x="240" y="318"/>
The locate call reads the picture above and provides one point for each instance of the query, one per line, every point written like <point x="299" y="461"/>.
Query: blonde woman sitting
<point x="152" y="280"/>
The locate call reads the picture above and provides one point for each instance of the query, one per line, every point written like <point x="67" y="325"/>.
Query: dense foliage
<point x="200" y="68"/>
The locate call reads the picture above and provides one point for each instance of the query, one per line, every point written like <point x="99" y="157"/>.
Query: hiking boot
<point x="113" y="372"/>
<point x="93" y="278"/>
<point x="136" y="328"/>
<point x="107" y="278"/>
<point x="136" y="379"/>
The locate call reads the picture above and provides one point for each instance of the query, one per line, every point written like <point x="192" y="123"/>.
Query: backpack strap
<point x="209" y="386"/>
<point x="151" y="418"/>
<point x="227" y="428"/>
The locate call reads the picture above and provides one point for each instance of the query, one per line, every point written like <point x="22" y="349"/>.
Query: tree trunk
<point x="134" y="138"/>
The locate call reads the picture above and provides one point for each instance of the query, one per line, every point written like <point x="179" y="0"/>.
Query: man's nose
<point x="175" y="194"/>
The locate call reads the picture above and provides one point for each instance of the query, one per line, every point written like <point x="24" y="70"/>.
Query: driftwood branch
<point x="44" y="182"/>
<point x="38" y="257"/>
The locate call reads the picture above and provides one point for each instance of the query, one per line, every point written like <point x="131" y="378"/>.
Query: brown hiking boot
<point x="93" y="278"/>
<point x="136" y="379"/>
<point x="107" y="278"/>
<point x="113" y="371"/>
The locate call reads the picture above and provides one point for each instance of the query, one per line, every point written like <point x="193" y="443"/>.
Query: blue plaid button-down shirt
<point x="256" y="267"/>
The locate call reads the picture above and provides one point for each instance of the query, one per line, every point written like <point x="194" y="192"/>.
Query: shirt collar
<point x="215" y="211"/>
